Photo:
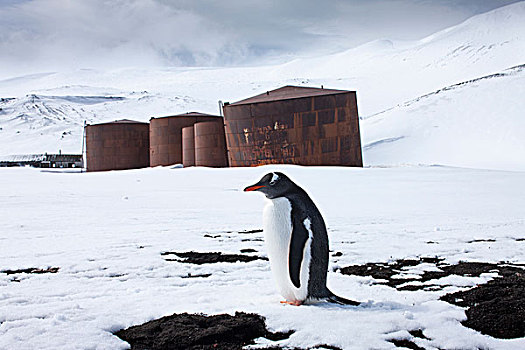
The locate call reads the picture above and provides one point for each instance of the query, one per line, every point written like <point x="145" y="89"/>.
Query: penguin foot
<point x="295" y="302"/>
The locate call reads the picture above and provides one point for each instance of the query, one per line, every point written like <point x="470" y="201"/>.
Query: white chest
<point x="277" y="226"/>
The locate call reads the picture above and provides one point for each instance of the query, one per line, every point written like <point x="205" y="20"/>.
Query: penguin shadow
<point x="363" y="306"/>
<point x="382" y="305"/>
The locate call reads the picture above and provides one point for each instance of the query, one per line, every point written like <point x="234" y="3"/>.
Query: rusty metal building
<point x="294" y="125"/>
<point x="210" y="144"/>
<point x="122" y="144"/>
<point x="166" y="136"/>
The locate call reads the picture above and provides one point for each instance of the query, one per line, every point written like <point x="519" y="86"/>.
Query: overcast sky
<point x="56" y="34"/>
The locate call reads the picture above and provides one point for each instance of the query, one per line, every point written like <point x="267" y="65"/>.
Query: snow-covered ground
<point x="478" y="124"/>
<point x="105" y="231"/>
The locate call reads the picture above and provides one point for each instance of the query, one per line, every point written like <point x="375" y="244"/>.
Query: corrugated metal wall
<point x="314" y="130"/>
<point x="290" y="125"/>
<point x="117" y="146"/>
<point x="166" y="137"/>
<point x="188" y="146"/>
<point x="210" y="144"/>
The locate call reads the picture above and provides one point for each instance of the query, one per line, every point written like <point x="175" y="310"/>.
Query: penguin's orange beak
<point x="253" y="188"/>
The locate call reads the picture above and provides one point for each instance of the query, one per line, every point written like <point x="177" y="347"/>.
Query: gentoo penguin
<point x="296" y="241"/>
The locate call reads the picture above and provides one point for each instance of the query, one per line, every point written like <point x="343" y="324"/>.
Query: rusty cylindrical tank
<point x="166" y="136"/>
<point x="210" y="144"/>
<point x="122" y="144"/>
<point x="294" y="125"/>
<point x="188" y="146"/>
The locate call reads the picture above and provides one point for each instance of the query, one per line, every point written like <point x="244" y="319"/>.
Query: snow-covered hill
<point x="478" y="123"/>
<point x="40" y="123"/>
<point x="45" y="112"/>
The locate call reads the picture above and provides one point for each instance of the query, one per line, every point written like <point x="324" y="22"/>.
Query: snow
<point x="106" y="232"/>
<point x="477" y="124"/>
<point x="443" y="128"/>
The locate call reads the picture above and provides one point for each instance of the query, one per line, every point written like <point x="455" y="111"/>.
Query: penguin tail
<point x="340" y="300"/>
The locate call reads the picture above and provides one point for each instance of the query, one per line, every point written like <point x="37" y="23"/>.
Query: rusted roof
<point x="63" y="157"/>
<point x="288" y="92"/>
<point x="22" y="158"/>
<point x="121" y="121"/>
<point x="188" y="114"/>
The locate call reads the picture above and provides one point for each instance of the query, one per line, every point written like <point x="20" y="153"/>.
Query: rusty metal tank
<point x="118" y="145"/>
<point x="166" y="136"/>
<point x="210" y="144"/>
<point x="188" y="146"/>
<point x="294" y="125"/>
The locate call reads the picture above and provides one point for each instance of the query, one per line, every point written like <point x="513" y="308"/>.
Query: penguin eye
<point x="274" y="179"/>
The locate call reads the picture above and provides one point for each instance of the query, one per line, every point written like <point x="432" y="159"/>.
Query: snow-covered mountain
<point x="478" y="123"/>
<point x="412" y="110"/>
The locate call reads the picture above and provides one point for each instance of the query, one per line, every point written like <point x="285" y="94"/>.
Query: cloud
<point x="55" y="33"/>
<point x="58" y="34"/>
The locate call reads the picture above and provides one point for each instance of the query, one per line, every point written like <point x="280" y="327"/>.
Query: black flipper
<point x="296" y="252"/>
<point x="341" y="301"/>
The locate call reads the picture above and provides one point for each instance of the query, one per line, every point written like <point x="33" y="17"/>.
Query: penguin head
<point x="273" y="185"/>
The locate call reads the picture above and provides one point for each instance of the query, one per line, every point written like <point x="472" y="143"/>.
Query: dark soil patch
<point x="520" y="240"/>
<point x="337" y="254"/>
<point x="496" y="308"/>
<point x="426" y="287"/>
<point x="418" y="333"/>
<point x="204" y="275"/>
<point x="211" y="236"/>
<point x="34" y="270"/>
<point x="187" y="331"/>
<point x="386" y="271"/>
<point x="405" y="343"/>
<point x="325" y="346"/>
<point x="210" y="258"/>
<point x="252" y="240"/>
<point x="250" y="231"/>
<point x="248" y="250"/>
<point x="481" y="240"/>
